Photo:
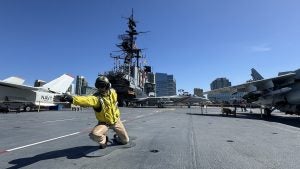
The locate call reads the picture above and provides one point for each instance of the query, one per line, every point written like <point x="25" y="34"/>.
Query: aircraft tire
<point x="27" y="108"/>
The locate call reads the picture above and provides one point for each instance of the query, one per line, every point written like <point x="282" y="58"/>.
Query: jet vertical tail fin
<point x="255" y="75"/>
<point x="60" y="84"/>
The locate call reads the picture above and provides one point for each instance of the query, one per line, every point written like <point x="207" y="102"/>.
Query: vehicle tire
<point x="27" y="108"/>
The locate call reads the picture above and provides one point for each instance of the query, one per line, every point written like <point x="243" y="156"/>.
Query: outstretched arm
<point x="63" y="98"/>
<point x="86" y="101"/>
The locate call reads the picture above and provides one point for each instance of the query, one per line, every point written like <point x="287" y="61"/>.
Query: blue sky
<point x="195" y="40"/>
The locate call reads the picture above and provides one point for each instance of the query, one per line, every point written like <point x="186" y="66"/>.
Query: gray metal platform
<point x="164" y="138"/>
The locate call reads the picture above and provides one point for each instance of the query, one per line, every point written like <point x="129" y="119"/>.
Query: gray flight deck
<point x="164" y="138"/>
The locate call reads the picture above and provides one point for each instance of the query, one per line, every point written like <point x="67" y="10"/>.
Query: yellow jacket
<point x="109" y="112"/>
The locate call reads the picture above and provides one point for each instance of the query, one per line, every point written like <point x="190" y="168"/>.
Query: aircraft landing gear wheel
<point x="27" y="109"/>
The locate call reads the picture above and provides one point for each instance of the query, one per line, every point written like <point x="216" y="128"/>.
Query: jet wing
<point x="58" y="85"/>
<point x="257" y="85"/>
<point x="152" y="98"/>
<point x="11" y="85"/>
<point x="14" y="80"/>
<point x="197" y="99"/>
<point x="221" y="90"/>
<point x="160" y="98"/>
<point x="175" y="99"/>
<point x="265" y="84"/>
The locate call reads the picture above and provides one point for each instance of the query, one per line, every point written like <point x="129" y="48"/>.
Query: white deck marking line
<point x="58" y="120"/>
<point x="17" y="148"/>
<point x="139" y="116"/>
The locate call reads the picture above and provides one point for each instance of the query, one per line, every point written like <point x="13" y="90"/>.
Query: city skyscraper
<point x="198" y="92"/>
<point x="222" y="96"/>
<point x="149" y="86"/>
<point x="81" y="85"/>
<point x="165" y="84"/>
<point x="220" y="83"/>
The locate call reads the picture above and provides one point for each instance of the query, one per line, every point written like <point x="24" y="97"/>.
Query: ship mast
<point x="128" y="46"/>
<point x="129" y="77"/>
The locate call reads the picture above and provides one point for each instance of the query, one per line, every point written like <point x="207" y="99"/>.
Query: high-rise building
<point x="198" y="92"/>
<point x="225" y="95"/>
<point x="151" y="77"/>
<point x="165" y="84"/>
<point x="149" y="86"/>
<point x="220" y="83"/>
<point x="81" y="85"/>
<point x="222" y="96"/>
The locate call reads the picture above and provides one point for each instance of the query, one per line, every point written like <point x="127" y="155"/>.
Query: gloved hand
<point x="64" y="98"/>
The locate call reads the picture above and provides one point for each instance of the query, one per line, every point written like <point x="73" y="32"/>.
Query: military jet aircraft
<point x="281" y="92"/>
<point x="15" y="95"/>
<point x="185" y="99"/>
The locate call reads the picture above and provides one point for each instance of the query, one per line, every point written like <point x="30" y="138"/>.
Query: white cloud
<point x="261" y="48"/>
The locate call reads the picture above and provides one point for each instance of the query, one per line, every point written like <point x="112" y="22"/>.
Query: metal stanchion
<point x="261" y="115"/>
<point x="39" y="106"/>
<point x="201" y="109"/>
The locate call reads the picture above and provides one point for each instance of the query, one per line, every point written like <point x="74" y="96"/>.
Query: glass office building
<point x="165" y="84"/>
<point x="81" y="85"/>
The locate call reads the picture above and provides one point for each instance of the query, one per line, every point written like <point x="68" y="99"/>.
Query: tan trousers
<point x="99" y="132"/>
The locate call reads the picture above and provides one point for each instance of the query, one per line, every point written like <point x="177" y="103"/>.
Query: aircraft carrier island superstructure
<point x="129" y="76"/>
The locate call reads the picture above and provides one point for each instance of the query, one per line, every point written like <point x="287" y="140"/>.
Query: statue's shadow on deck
<point x="71" y="153"/>
<point x="288" y="120"/>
